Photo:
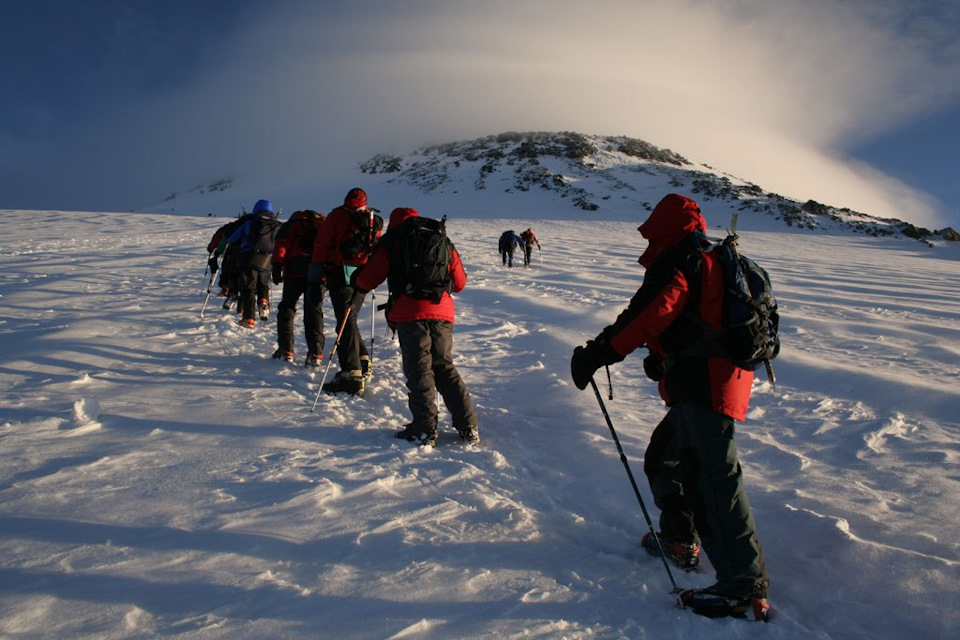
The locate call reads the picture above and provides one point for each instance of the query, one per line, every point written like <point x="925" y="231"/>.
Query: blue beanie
<point x="262" y="205"/>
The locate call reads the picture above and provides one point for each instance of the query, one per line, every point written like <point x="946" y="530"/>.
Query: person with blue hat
<point x="256" y="238"/>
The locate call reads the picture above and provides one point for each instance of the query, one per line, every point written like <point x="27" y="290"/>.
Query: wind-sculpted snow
<point x="163" y="476"/>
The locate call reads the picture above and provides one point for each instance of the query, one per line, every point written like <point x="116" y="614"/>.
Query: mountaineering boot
<point x="280" y="354"/>
<point x="418" y="436"/>
<point x="313" y="361"/>
<point x="685" y="555"/>
<point x="469" y="434"/>
<point x="711" y="603"/>
<point x="366" y="367"/>
<point x="264" y="309"/>
<point x="350" y="382"/>
<point x="248" y="323"/>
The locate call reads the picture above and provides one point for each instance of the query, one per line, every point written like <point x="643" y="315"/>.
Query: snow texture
<point x="163" y="476"/>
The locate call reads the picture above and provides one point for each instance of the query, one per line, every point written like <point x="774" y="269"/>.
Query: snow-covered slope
<point x="571" y="175"/>
<point x="162" y="476"/>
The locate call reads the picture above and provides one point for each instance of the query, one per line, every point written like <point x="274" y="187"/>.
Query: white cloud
<point x="771" y="92"/>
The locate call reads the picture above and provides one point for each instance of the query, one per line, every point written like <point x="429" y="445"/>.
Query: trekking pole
<point x="209" y="292"/>
<point x="373" y="319"/>
<point x="540" y="254"/>
<point x="330" y="359"/>
<point x="636" y="490"/>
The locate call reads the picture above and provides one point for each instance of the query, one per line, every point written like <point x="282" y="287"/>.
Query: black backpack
<point x="263" y="234"/>
<point x="361" y="243"/>
<point x="751" y="323"/>
<point x="420" y="259"/>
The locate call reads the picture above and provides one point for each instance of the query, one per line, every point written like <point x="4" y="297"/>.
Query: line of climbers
<point x="678" y="314"/>
<point x="346" y="254"/>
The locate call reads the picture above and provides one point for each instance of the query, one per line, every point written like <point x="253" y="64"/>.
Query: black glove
<point x="585" y="361"/>
<point x="277" y="273"/>
<point x="213" y="264"/>
<point x="653" y="367"/>
<point x="590" y="357"/>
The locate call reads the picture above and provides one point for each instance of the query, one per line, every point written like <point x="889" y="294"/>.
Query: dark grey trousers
<point x="696" y="480"/>
<point x="426" y="347"/>
<point x="293" y="288"/>
<point x="351" y="347"/>
<point x="254" y="286"/>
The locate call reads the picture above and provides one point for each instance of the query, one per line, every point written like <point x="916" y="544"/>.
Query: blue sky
<point x="112" y="104"/>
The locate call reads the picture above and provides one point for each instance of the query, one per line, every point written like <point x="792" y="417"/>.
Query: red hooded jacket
<point x="405" y="308"/>
<point x="338" y="229"/>
<point x="680" y="274"/>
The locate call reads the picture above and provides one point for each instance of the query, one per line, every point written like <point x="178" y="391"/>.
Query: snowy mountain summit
<point x="591" y="173"/>
<point x="560" y="175"/>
